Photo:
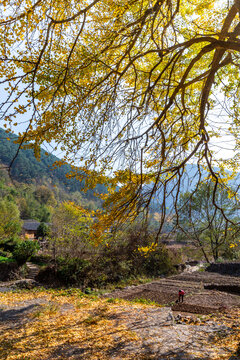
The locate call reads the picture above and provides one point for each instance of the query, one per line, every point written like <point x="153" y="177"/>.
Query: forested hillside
<point x="27" y="169"/>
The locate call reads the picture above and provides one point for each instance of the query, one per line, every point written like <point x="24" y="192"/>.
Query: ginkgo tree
<point x="134" y="89"/>
<point x="70" y="231"/>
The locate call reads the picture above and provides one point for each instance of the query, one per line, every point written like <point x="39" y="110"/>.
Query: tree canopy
<point x="10" y="223"/>
<point x="204" y="226"/>
<point x="137" y="87"/>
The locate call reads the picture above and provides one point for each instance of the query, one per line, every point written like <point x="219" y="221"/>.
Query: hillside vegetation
<point x="77" y="249"/>
<point x="27" y="169"/>
<point x="70" y="253"/>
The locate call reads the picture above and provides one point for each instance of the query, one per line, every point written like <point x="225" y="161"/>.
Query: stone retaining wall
<point x="6" y="270"/>
<point x="232" y="289"/>
<point x="225" y="268"/>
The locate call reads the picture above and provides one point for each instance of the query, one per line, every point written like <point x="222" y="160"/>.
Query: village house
<point x="29" y="229"/>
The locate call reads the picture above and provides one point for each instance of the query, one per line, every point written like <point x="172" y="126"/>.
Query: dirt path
<point x="161" y="336"/>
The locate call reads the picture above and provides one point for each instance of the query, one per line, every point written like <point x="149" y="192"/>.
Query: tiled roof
<point x="30" y="225"/>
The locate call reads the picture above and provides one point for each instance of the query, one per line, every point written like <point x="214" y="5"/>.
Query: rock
<point x="7" y="270"/>
<point x="24" y="284"/>
<point x="170" y="317"/>
<point x="230" y="268"/>
<point x="191" y="321"/>
<point x="179" y="319"/>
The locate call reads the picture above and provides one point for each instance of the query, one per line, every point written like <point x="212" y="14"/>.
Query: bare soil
<point x="199" y="299"/>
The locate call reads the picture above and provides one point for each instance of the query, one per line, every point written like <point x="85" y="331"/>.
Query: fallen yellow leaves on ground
<point x="52" y="328"/>
<point x="232" y="341"/>
<point x="67" y="324"/>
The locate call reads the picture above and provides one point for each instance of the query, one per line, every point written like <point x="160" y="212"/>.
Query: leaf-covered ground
<point x="66" y="324"/>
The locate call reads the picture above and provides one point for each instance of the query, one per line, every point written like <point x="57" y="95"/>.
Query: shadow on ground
<point x="16" y="314"/>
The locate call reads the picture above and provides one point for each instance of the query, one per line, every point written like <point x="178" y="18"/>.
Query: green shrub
<point x="5" y="253"/>
<point x="158" y="262"/>
<point x="10" y="243"/>
<point x="73" y="271"/>
<point x="4" y="259"/>
<point x="43" y="230"/>
<point x="41" y="259"/>
<point x="112" y="268"/>
<point x="24" y="250"/>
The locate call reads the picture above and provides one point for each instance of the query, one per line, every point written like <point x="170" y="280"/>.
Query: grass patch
<point x="145" y="302"/>
<point x="4" y="259"/>
<point x="133" y="281"/>
<point x="113" y="300"/>
<point x="49" y="310"/>
<point x="91" y="320"/>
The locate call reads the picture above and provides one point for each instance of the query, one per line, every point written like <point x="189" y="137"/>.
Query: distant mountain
<point x="28" y="170"/>
<point x="189" y="182"/>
